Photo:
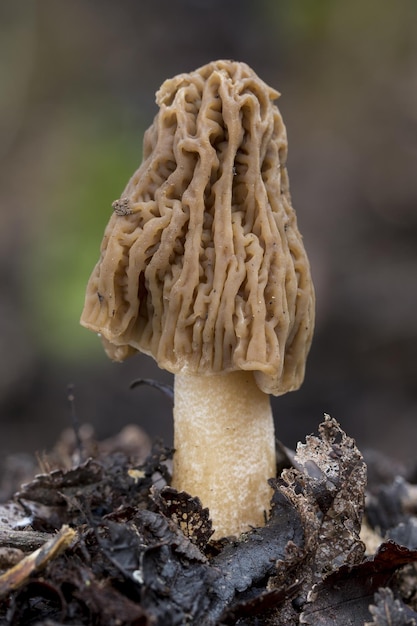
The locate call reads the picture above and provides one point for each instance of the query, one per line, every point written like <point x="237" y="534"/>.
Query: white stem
<point x="224" y="448"/>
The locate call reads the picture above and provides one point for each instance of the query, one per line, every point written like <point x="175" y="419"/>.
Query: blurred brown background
<point x="77" y="91"/>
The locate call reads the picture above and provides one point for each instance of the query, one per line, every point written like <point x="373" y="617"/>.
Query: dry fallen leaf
<point x="388" y="611"/>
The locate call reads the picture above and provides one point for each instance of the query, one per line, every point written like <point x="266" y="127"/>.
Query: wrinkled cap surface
<point x="202" y="265"/>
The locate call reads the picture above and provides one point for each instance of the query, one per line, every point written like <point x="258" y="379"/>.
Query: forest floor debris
<point x="106" y="540"/>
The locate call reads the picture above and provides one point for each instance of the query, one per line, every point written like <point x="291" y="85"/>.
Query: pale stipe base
<point x="225" y="448"/>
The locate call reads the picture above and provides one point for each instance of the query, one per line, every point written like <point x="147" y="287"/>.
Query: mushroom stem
<point x="224" y="448"/>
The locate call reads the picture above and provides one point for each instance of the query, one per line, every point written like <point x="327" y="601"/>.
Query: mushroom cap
<point x="202" y="265"/>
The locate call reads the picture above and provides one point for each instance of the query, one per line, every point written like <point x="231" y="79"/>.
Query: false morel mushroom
<point x="202" y="267"/>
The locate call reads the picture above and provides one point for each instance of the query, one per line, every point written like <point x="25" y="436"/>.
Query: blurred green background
<point x="77" y="92"/>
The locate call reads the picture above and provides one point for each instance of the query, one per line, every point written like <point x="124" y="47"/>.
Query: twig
<point x="25" y="540"/>
<point x="16" y="576"/>
<point x="166" y="389"/>
<point x="75" y="422"/>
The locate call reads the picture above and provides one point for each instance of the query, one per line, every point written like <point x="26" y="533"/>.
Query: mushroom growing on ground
<point x="202" y="267"/>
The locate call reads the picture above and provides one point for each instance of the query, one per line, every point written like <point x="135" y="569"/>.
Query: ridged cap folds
<point x="202" y="265"/>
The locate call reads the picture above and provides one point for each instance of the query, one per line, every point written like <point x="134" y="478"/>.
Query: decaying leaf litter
<point x="109" y="541"/>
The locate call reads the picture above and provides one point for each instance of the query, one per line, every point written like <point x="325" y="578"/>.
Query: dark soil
<point x="104" y="540"/>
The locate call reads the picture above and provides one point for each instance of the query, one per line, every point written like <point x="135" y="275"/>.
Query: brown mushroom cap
<point x="202" y="265"/>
